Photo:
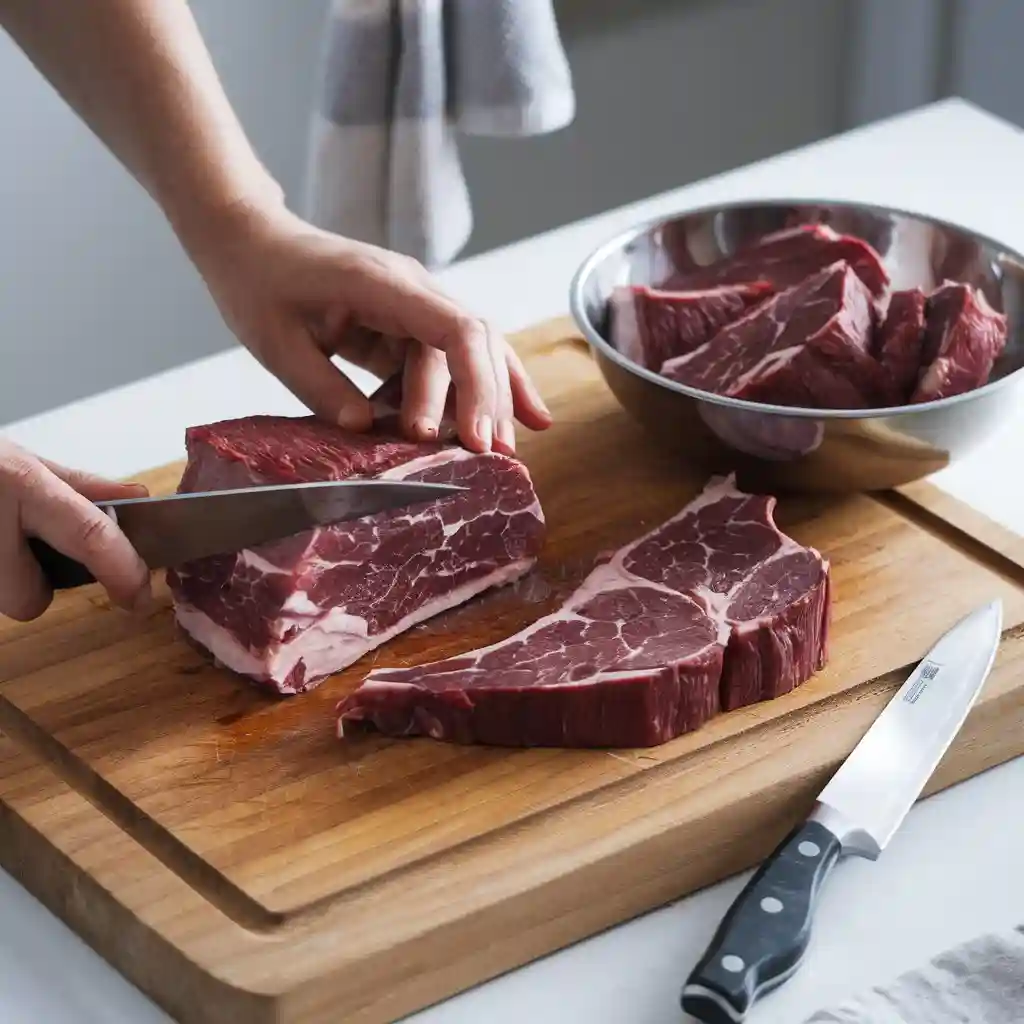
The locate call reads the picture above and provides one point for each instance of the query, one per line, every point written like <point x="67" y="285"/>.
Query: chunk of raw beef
<point x="963" y="337"/>
<point x="808" y="346"/>
<point x="714" y="609"/>
<point x="899" y="341"/>
<point x="651" y="326"/>
<point x="289" y="613"/>
<point x="786" y="258"/>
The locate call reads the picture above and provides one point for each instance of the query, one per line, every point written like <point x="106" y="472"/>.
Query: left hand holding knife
<point x="42" y="499"/>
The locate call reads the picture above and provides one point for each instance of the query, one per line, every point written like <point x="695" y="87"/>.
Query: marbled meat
<point x="713" y="610"/>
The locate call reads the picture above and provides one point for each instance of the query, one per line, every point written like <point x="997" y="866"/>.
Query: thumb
<point x="303" y="368"/>
<point x="93" y="487"/>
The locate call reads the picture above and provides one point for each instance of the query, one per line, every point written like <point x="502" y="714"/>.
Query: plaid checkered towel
<point x="979" y="982"/>
<point x="401" y="79"/>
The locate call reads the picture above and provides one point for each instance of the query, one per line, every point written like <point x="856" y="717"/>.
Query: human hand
<point x="42" y="499"/>
<point x="295" y="295"/>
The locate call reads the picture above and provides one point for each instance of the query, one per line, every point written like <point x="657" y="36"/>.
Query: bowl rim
<point x="623" y="238"/>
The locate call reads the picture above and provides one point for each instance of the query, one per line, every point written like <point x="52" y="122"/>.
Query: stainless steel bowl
<point x="784" y="448"/>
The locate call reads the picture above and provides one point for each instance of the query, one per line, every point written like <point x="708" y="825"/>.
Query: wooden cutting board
<point x="240" y="864"/>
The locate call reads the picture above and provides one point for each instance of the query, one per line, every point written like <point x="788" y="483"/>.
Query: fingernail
<point x="507" y="435"/>
<point x="485" y="431"/>
<point x="424" y="428"/>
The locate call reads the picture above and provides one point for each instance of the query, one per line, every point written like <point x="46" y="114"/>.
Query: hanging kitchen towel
<point x="401" y="80"/>
<point x="979" y="982"/>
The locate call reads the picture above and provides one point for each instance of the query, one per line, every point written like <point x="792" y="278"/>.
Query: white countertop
<point x="953" y="870"/>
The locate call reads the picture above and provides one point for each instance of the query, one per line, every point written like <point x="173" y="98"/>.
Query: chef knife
<point x="762" y="938"/>
<point x="177" y="528"/>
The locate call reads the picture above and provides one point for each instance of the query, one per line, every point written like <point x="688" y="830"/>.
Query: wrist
<point x="210" y="225"/>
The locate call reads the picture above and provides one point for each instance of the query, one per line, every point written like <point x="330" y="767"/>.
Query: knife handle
<point x="764" y="935"/>
<point x="61" y="572"/>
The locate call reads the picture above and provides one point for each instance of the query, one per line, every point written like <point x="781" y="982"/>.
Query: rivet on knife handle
<point x="763" y="937"/>
<point x="61" y="572"/>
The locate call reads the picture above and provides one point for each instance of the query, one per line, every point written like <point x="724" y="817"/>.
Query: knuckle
<point x="470" y="332"/>
<point x="410" y="265"/>
<point x="19" y="472"/>
<point x="95" y="534"/>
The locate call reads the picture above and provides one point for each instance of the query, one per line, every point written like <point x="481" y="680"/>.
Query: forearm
<point x="138" y="73"/>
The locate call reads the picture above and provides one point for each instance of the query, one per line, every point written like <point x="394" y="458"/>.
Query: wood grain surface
<point x="239" y="863"/>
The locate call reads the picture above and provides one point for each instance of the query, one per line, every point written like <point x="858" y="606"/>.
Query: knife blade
<point x="765" y="933"/>
<point x="177" y="528"/>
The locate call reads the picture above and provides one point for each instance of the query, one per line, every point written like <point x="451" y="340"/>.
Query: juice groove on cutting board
<point x="238" y="862"/>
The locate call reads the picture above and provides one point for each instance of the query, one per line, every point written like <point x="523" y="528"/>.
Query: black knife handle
<point x="764" y="935"/>
<point x="61" y="572"/>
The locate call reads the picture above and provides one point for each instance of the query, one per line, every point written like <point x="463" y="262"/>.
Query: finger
<point x="425" y="385"/>
<point x="24" y="592"/>
<point x="402" y="306"/>
<point x="504" y="427"/>
<point x="469" y="363"/>
<point x="93" y="487"/>
<point x="309" y="374"/>
<point x="530" y="408"/>
<point x="55" y="512"/>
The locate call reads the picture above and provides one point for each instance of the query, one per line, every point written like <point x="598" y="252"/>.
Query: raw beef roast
<point x="288" y="613"/>
<point x="651" y="326"/>
<point x="963" y="337"/>
<point x="714" y="609"/>
<point x="830" y="335"/>
<point x="899" y="341"/>
<point x="787" y="257"/>
<point x="807" y="346"/>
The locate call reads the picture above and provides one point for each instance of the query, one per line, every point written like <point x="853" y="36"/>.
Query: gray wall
<point x="679" y="91"/>
<point x="906" y="53"/>
<point x="93" y="289"/>
<point x="95" y="293"/>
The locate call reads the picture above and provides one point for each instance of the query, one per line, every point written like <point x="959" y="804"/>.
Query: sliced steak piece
<point x="963" y="337"/>
<point x="807" y="347"/>
<point x="785" y="258"/>
<point x="650" y="326"/>
<point x="289" y="613"/>
<point x="899" y="340"/>
<point x="714" y="609"/>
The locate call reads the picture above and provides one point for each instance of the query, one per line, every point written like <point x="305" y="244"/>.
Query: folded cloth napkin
<point x="401" y="79"/>
<point x="979" y="982"/>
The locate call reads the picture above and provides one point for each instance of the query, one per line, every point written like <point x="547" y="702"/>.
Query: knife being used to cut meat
<point x="762" y="938"/>
<point x="178" y="528"/>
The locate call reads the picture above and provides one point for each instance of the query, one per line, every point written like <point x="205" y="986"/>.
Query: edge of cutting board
<point x="204" y="967"/>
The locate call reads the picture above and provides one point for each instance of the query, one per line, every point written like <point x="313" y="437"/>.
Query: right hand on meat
<point x="295" y="296"/>
<point x="42" y="499"/>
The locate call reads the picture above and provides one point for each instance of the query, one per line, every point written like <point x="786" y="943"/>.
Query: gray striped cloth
<point x="979" y="982"/>
<point x="401" y="79"/>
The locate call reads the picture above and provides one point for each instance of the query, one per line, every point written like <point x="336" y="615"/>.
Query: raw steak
<point x="963" y="337"/>
<point x="651" y="326"/>
<point x="899" y="340"/>
<point x="807" y="346"/>
<point x="288" y="613"/>
<point x="714" y="609"/>
<point x="786" y="258"/>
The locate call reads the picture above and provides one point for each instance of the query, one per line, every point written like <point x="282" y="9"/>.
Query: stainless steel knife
<point x="764" y="935"/>
<point x="177" y="528"/>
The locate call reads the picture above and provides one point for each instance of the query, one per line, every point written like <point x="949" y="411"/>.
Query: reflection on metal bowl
<point x="794" y="448"/>
<point x="776" y="438"/>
